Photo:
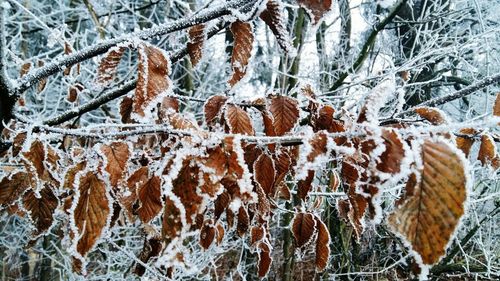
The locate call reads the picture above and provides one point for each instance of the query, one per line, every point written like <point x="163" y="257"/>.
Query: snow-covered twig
<point x="65" y="61"/>
<point x="457" y="95"/>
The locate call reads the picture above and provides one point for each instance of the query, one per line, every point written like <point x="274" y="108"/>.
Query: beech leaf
<point x="285" y="111"/>
<point x="303" y="228"/>
<point x="242" y="49"/>
<point x="91" y="211"/>
<point x="434" y="204"/>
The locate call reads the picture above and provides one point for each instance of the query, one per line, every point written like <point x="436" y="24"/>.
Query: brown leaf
<point x="220" y="233"/>
<point x="12" y="186"/>
<point x="41" y="210"/>
<point x="316" y="8"/>
<point x="197" y="39"/>
<point x="391" y="158"/>
<point x="243" y="221"/>
<point x="69" y="177"/>
<point x="126" y="106"/>
<point x="221" y="203"/>
<point x="265" y="259"/>
<point x="73" y="91"/>
<point x="171" y="223"/>
<point x="179" y="121"/>
<point x="117" y="155"/>
<point x="149" y="195"/>
<point x="429" y="217"/>
<point x="152" y="248"/>
<point x="283" y="164"/>
<point x="285" y="111"/>
<point x="42" y="161"/>
<point x="496" y="107"/>
<point x="242" y="49"/>
<point x="109" y="65"/>
<point x="264" y="172"/>
<point x="322" y="246"/>
<point x="25" y="68"/>
<point x="303" y="228"/>
<point x="275" y="18"/>
<point x="212" y="109"/>
<point x="256" y="234"/>
<point x="67" y="50"/>
<point x="238" y="120"/>
<point x="91" y="212"/>
<point x="207" y="235"/>
<point x="465" y="143"/>
<point x="488" y="154"/>
<point x="304" y="186"/>
<point x="185" y="187"/>
<point x="168" y="105"/>
<point x="433" y="115"/>
<point x="152" y="79"/>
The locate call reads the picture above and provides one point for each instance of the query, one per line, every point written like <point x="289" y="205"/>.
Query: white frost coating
<point x="386" y="3"/>
<point x="378" y="97"/>
<point x="244" y="183"/>
<point x="256" y="9"/>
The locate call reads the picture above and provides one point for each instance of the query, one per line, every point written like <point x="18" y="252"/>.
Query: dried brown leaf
<point x="433" y="115"/>
<point x="207" y="235"/>
<point x="316" y="8"/>
<point x="152" y="78"/>
<point x="109" y="65"/>
<point x="303" y="228"/>
<point x="242" y="49"/>
<point x="429" y="217"/>
<point x="197" y="39"/>
<point x="238" y="120"/>
<point x="41" y="209"/>
<point x="117" y="155"/>
<point x="264" y="172"/>
<point x="488" y="154"/>
<point x="275" y="18"/>
<point x="465" y="143"/>
<point x="322" y="246"/>
<point x="91" y="213"/>
<point x="243" y="221"/>
<point x="265" y="259"/>
<point x="285" y="111"/>
<point x="212" y="109"/>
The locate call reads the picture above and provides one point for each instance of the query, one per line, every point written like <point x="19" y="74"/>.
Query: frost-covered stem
<point x="119" y="91"/>
<point x="63" y="61"/>
<point x="457" y="95"/>
<point x="363" y="54"/>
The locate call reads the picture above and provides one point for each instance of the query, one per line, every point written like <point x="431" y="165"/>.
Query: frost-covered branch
<point x="65" y="61"/>
<point x="121" y="90"/>
<point x="457" y="95"/>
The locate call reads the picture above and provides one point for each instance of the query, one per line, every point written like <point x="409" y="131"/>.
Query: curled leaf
<point x="322" y="246"/>
<point x="488" y="154"/>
